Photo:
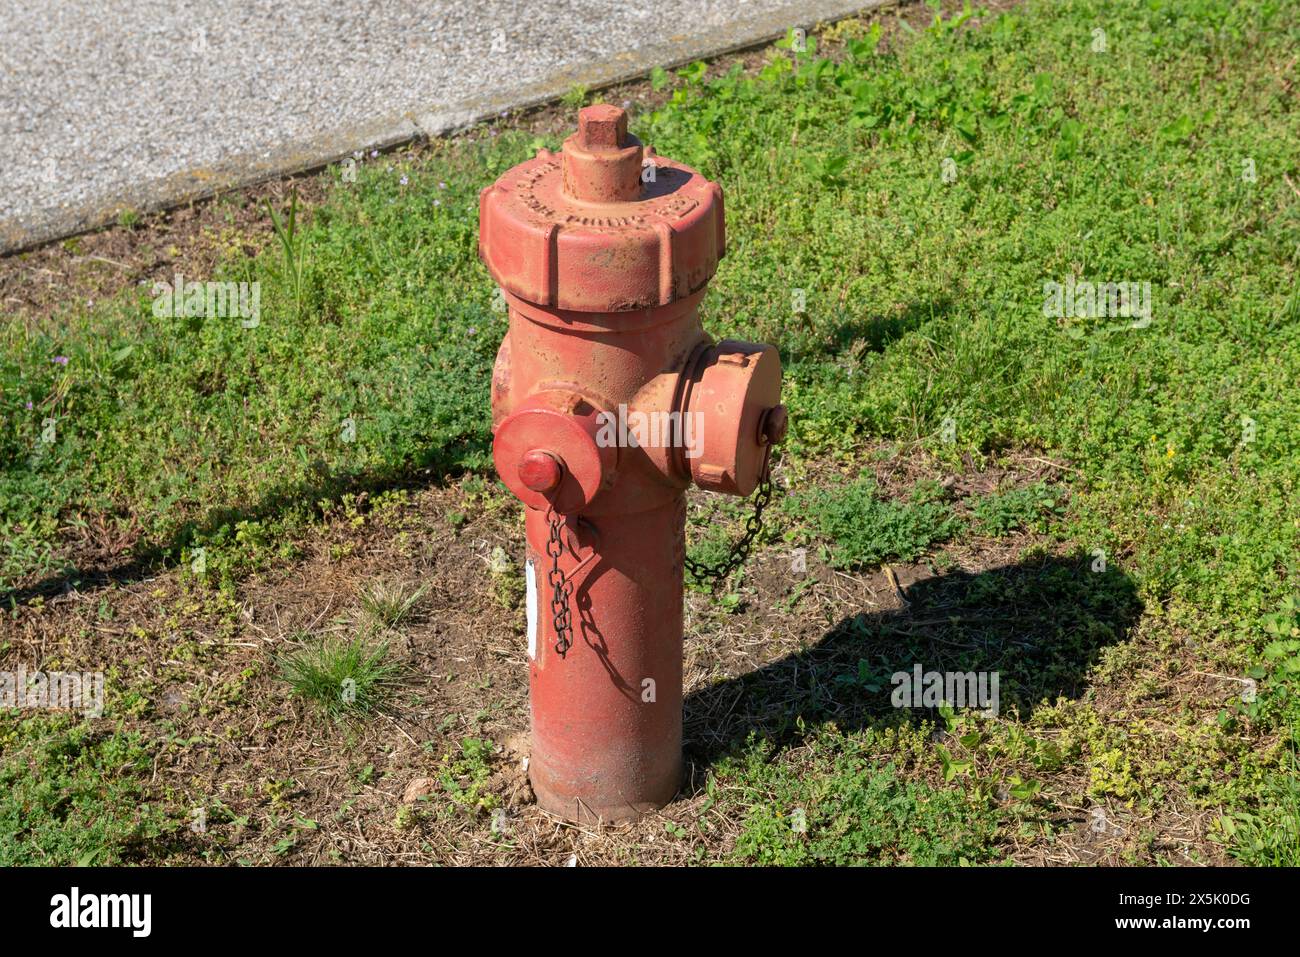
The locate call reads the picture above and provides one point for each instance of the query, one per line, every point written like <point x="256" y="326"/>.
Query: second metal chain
<point x="703" y="571"/>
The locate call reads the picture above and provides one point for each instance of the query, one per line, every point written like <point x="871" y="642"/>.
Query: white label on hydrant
<point x="531" y="577"/>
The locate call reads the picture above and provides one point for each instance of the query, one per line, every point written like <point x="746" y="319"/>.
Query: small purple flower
<point x="442" y="185"/>
<point x="403" y="181"/>
<point x="374" y="153"/>
<point x="471" y="330"/>
<point x="60" y="360"/>
<point x="29" y="406"/>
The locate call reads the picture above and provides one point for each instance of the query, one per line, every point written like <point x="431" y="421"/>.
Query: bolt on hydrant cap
<point x="605" y="226"/>
<point x="540" y="471"/>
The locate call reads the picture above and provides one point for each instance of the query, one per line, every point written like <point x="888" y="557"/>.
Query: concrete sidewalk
<point x="137" y="104"/>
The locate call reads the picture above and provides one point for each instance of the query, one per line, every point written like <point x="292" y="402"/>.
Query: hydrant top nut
<point x="602" y="127"/>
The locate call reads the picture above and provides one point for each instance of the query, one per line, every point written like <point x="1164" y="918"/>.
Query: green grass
<point x="841" y="807"/>
<point x="1004" y="512"/>
<point x="865" y="530"/>
<point x="1268" y="834"/>
<point x="343" y="679"/>
<point x="919" y="195"/>
<point x="71" y="792"/>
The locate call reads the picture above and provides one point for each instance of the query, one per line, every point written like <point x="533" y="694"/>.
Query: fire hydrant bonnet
<point x="604" y="226"/>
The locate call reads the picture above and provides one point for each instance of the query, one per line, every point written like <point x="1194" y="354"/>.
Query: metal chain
<point x="561" y="588"/>
<point x="702" y="571"/>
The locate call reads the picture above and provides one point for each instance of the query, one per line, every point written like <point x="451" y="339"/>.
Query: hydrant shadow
<point x="594" y="638"/>
<point x="1031" y="629"/>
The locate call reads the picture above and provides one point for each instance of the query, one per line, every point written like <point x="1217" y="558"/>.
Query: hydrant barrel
<point x="607" y="718"/>
<point x="608" y="401"/>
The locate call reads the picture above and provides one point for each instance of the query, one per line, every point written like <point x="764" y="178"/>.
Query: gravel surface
<point x="140" y="104"/>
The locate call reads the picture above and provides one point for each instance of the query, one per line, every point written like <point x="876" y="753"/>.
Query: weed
<point x="863" y="529"/>
<point x="292" y="246"/>
<point x="842" y="808"/>
<point x="72" y="793"/>
<point x="1269" y="835"/>
<point x="1004" y="512"/>
<point x="508" y="586"/>
<point x="341" y="678"/>
<point x="388" y="604"/>
<point x="575" y="96"/>
<point x="464" y="776"/>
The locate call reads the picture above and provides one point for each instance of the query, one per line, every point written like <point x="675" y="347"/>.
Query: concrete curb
<point x="314" y="152"/>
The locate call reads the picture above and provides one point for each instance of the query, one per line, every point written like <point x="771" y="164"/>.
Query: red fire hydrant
<point x="608" y="400"/>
